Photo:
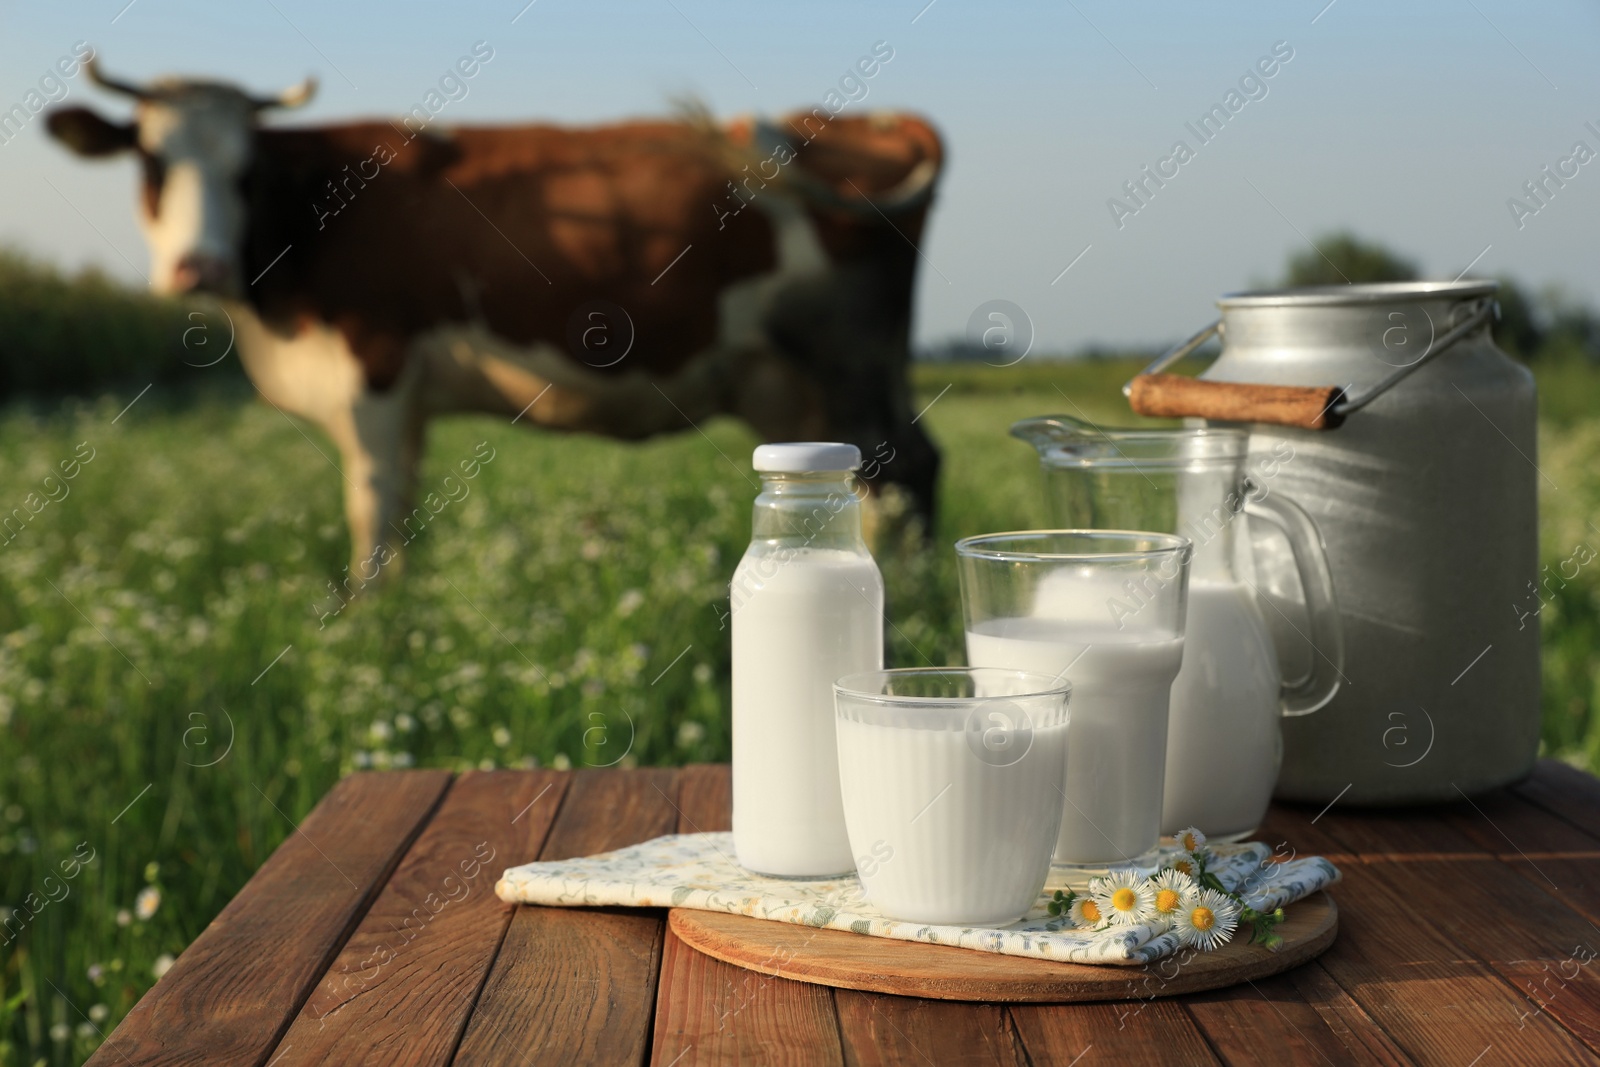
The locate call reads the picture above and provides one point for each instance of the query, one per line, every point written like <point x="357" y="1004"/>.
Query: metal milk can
<point x="1410" y="440"/>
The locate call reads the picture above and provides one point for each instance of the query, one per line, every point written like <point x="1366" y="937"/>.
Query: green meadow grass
<point x="170" y="697"/>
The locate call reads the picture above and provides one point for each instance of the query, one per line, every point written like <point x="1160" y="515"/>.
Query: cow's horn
<point x="92" y="65"/>
<point x="294" y="96"/>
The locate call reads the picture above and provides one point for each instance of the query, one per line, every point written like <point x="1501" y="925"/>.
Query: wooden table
<point x="373" y="936"/>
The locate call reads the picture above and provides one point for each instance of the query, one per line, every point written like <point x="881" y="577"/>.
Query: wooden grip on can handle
<point x="1175" y="396"/>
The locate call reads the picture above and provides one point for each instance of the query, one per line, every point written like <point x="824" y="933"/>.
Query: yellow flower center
<point x="1202" y="919"/>
<point x="1091" y="911"/>
<point x="1184" y="866"/>
<point x="1167" y="900"/>
<point x="1189" y="842"/>
<point x="1124" y="899"/>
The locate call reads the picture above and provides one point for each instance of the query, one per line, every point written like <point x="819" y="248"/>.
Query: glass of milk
<point x="807" y="608"/>
<point x="1105" y="610"/>
<point x="952" y="782"/>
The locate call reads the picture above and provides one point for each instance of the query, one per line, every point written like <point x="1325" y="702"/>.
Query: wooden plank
<point x="402" y="988"/>
<point x="1548" y="951"/>
<point x="705" y="798"/>
<point x="1564" y="791"/>
<point x="1538" y="944"/>
<point x="576" y="985"/>
<point x="1144" y="1033"/>
<point x="1349" y="1022"/>
<point x="888" y="1031"/>
<point x="710" y="1012"/>
<point x="1271" y="1022"/>
<point x="1301" y="1016"/>
<point x="1362" y="1038"/>
<point x="1546" y="850"/>
<point x="233" y="992"/>
<point x="1410" y="918"/>
<point x="610" y="809"/>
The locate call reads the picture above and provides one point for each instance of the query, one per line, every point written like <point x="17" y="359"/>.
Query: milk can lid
<point x="794" y="457"/>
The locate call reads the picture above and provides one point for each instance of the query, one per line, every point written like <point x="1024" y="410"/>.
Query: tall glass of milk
<point x="807" y="606"/>
<point x="1224" y="744"/>
<point x="1105" y="610"/>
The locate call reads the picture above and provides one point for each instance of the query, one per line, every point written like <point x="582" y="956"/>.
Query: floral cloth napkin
<point x="698" y="871"/>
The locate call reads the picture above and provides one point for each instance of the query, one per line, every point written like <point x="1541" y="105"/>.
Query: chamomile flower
<point x="1184" y="865"/>
<point x="1085" y="912"/>
<point x="1172" y="888"/>
<point x="1207" y="919"/>
<point x="1125" y="897"/>
<point x="1191" y="840"/>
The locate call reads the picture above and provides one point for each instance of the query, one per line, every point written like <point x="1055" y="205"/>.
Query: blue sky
<point x="1411" y="124"/>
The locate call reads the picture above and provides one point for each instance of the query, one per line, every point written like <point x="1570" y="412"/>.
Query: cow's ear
<point x="87" y="134"/>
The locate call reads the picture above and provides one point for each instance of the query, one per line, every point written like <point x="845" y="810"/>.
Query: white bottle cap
<point x="795" y="457"/>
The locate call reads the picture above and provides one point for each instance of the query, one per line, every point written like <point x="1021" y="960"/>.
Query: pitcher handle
<point x="1306" y="695"/>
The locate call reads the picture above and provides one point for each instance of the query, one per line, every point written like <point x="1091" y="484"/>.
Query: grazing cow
<point x="624" y="280"/>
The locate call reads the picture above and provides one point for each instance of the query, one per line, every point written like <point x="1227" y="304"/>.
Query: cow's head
<point x="194" y="139"/>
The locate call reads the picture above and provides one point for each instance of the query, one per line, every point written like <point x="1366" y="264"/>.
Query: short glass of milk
<point x="952" y="782"/>
<point x="1103" y="609"/>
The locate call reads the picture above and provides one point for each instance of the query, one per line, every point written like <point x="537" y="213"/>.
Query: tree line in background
<point x="1542" y="326"/>
<point x="83" y="333"/>
<point x="1546" y="325"/>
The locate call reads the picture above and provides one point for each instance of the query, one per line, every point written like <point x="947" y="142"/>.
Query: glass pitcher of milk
<point x="807" y="607"/>
<point x="1223" y="742"/>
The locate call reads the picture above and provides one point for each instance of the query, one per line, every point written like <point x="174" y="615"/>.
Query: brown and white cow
<point x="624" y="280"/>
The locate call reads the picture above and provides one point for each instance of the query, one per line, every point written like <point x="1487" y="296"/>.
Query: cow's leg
<point x="314" y="375"/>
<point x="849" y="332"/>
<point x="380" y="446"/>
<point x="834" y="343"/>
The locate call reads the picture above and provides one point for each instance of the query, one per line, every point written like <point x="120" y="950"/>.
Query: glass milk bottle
<point x="807" y="606"/>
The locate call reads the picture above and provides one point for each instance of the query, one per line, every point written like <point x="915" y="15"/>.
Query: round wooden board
<point x="909" y="968"/>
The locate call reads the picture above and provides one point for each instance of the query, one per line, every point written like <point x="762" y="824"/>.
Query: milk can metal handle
<point x="1318" y="407"/>
<point x="1302" y="696"/>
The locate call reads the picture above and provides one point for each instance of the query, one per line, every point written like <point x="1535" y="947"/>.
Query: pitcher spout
<point x="1045" y="432"/>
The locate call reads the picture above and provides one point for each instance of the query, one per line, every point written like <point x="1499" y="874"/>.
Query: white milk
<point x="942" y="836"/>
<point x="1116" y="759"/>
<point x="1223" y="739"/>
<point x="799" y="624"/>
